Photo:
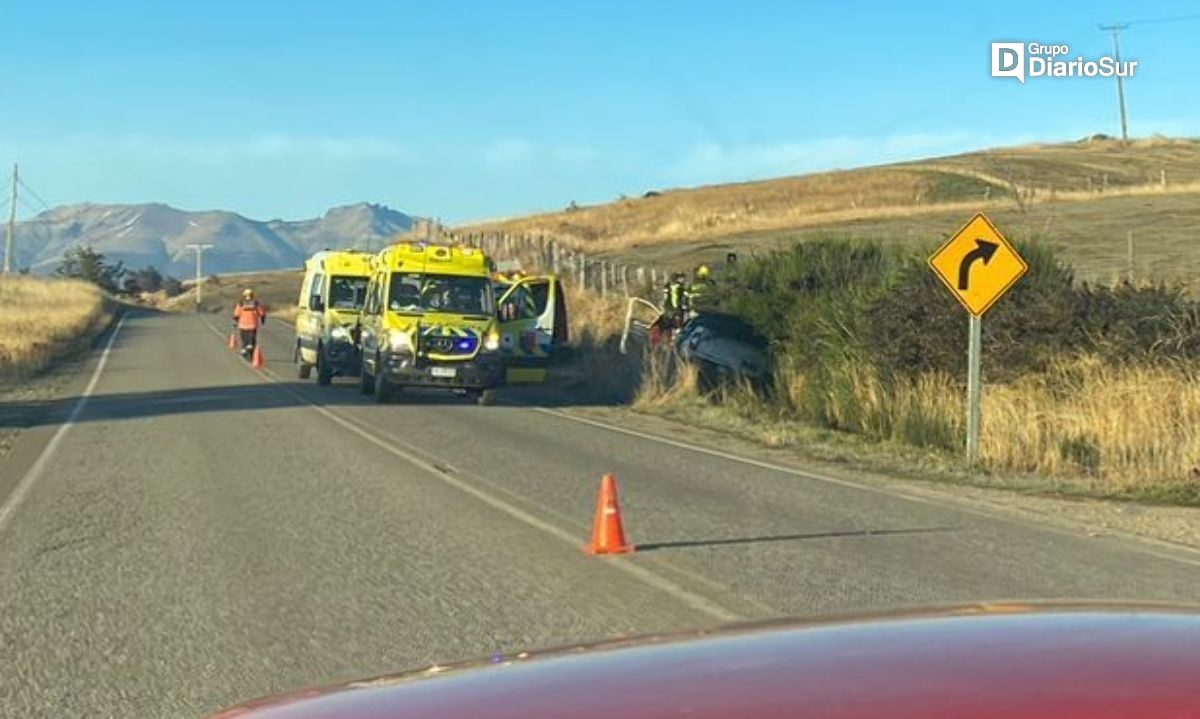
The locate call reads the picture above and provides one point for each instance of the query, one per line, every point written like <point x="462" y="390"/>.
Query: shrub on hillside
<point x="86" y="264"/>
<point x="1138" y="323"/>
<point x="833" y="298"/>
<point x="917" y="326"/>
<point x="147" y="279"/>
<point x="172" y="286"/>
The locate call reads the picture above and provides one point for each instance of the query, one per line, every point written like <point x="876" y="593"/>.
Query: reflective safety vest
<point x="700" y="294"/>
<point x="249" y="315"/>
<point x="674" y="296"/>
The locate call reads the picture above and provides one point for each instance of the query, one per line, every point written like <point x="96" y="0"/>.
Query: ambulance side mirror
<point x="316" y="304"/>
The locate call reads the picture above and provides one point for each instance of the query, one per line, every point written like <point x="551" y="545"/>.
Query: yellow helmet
<point x="702" y="272"/>
<point x="247" y="294"/>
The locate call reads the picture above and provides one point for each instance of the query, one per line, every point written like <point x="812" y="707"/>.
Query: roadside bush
<point x="147" y="279"/>
<point x="1150" y="322"/>
<point x="172" y="287"/>
<point x="84" y="263"/>
<point x="917" y="326"/>
<point x="866" y="339"/>
<point x="824" y="301"/>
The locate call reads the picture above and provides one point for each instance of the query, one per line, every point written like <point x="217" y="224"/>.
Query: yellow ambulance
<point x="429" y="320"/>
<point x="333" y="291"/>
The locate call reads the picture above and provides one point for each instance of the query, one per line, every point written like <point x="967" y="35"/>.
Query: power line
<point x="1115" y="28"/>
<point x="1158" y="20"/>
<point x="25" y="186"/>
<point x="29" y="205"/>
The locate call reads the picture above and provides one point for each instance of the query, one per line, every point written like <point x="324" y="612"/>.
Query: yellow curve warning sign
<point x="978" y="265"/>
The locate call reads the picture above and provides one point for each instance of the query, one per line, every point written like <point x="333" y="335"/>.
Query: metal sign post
<point x="974" y="388"/>
<point x="977" y="265"/>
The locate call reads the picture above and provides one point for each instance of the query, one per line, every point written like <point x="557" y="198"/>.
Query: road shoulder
<point x="1171" y="528"/>
<point x="32" y="410"/>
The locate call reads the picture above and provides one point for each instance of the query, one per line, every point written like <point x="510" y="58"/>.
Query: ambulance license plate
<point x="443" y="371"/>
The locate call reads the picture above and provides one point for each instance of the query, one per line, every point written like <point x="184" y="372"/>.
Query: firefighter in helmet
<point x="248" y="315"/>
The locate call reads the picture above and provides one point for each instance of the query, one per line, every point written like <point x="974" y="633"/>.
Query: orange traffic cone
<point x="608" y="537"/>
<point x="232" y="340"/>
<point x="257" y="360"/>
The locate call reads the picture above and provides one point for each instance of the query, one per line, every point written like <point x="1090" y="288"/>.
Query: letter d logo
<point x="1008" y="60"/>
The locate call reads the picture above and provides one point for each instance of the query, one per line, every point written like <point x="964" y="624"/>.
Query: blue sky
<point x="468" y="110"/>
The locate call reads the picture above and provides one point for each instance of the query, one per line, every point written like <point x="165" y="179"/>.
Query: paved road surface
<point x="203" y="534"/>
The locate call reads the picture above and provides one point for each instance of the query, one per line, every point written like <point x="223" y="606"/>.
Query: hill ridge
<point x="156" y="234"/>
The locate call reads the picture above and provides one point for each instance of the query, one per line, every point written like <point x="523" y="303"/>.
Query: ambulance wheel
<point x="366" y="383"/>
<point x="383" y="388"/>
<point x="324" y="372"/>
<point x="303" y="369"/>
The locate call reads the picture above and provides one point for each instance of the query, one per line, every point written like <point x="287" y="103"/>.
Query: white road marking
<point x="39" y="465"/>
<point x="1148" y="545"/>
<point x="691" y="599"/>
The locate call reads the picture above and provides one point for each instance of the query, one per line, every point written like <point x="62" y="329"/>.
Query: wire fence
<point x="543" y="253"/>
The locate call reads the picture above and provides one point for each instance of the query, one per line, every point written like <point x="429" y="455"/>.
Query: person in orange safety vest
<point x="248" y="315"/>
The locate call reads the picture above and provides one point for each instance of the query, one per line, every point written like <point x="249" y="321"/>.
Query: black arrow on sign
<point x="984" y="250"/>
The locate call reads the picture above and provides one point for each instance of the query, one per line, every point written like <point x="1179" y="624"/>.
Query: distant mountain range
<point x="157" y="235"/>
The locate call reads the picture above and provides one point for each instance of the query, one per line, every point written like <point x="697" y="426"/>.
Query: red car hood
<point x="981" y="661"/>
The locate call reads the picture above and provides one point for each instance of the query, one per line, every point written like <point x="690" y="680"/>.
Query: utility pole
<point x="199" y="250"/>
<point x="12" y="221"/>
<point x="1115" y="29"/>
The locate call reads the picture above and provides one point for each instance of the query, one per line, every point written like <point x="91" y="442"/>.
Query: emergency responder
<point x="675" y="300"/>
<point x="406" y="297"/>
<point x="464" y="298"/>
<point x="248" y="315"/>
<point x="702" y="292"/>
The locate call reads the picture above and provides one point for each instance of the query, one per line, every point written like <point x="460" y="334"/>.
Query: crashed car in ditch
<point x="721" y="346"/>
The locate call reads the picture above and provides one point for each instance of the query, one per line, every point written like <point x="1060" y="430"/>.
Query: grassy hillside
<point x="1084" y="197"/>
<point x="278" y="290"/>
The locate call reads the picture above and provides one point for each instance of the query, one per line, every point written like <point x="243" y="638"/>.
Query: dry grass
<point x="1083" y="427"/>
<point x="1121" y="430"/>
<point x="44" y="319"/>
<point x="1073" y="172"/>
<point x="592" y="366"/>
<point x="666" y="381"/>
<point x="1084" y="197"/>
<point x="593" y="318"/>
<point x="278" y="290"/>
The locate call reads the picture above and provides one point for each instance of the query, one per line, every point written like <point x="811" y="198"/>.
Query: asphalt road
<point x="204" y="533"/>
